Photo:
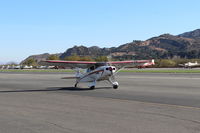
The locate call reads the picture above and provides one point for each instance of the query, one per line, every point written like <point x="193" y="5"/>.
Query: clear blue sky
<point x="30" y="27"/>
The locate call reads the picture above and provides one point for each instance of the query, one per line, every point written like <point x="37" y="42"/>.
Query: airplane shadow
<point x="81" y="89"/>
<point x="51" y="89"/>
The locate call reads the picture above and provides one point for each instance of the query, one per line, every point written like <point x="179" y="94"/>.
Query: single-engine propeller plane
<point x="95" y="71"/>
<point x="190" y="65"/>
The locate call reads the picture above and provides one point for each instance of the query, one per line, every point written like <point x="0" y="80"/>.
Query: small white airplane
<point x="147" y="64"/>
<point x="95" y="71"/>
<point x="27" y="67"/>
<point x="190" y="64"/>
<point x="2" y="67"/>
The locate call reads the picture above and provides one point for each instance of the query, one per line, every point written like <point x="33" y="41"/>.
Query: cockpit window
<point x="92" y="67"/>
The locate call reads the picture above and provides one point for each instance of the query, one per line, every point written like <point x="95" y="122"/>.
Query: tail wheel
<point x="92" y="87"/>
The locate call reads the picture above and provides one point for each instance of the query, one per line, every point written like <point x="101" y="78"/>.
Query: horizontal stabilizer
<point x="70" y="78"/>
<point x="181" y="64"/>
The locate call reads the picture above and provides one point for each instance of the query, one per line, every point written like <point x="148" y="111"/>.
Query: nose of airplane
<point x="111" y="69"/>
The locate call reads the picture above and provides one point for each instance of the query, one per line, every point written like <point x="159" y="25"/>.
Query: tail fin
<point x="77" y="75"/>
<point x="69" y="77"/>
<point x="153" y="61"/>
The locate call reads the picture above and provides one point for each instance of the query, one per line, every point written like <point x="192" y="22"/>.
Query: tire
<point x="115" y="86"/>
<point x="92" y="87"/>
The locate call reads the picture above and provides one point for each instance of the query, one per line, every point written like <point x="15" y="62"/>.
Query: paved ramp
<point x="144" y="103"/>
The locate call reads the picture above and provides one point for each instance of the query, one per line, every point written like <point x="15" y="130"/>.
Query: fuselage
<point x="98" y="74"/>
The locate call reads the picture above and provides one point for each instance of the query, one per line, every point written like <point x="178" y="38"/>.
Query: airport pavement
<point x="144" y="103"/>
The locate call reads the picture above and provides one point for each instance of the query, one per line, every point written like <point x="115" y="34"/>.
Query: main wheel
<point x="115" y="86"/>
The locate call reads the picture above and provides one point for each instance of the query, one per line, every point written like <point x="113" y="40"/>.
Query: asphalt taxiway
<point x="144" y="103"/>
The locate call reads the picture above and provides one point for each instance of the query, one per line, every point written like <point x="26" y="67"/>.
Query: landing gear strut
<point x="92" y="85"/>
<point x="75" y="85"/>
<point x="114" y="84"/>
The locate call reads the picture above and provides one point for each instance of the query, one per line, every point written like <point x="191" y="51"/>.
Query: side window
<point x="88" y="70"/>
<point x="92" y="68"/>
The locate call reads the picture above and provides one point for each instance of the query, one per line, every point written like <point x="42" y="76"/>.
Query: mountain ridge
<point x="191" y="34"/>
<point x="185" y="45"/>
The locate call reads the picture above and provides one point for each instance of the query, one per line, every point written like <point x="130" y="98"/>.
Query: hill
<point x="193" y="34"/>
<point x="166" y="46"/>
<point x="85" y="51"/>
<point x="39" y="57"/>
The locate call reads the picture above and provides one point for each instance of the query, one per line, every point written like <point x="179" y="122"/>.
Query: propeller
<point x="112" y="74"/>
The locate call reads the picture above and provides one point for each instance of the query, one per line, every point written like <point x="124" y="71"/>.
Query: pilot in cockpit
<point x="90" y="69"/>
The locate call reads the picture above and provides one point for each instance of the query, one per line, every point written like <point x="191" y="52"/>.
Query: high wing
<point x="87" y="64"/>
<point x="131" y="63"/>
<point x="72" y="64"/>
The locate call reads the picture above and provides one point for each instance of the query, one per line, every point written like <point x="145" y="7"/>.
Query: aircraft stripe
<point x="135" y="61"/>
<point x="88" y="62"/>
<point x="91" y="73"/>
<point x="75" y="62"/>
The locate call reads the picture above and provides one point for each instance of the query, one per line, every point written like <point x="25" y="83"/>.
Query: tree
<point x="86" y="58"/>
<point x="53" y="57"/>
<point x="30" y="62"/>
<point x="101" y="59"/>
<point x="74" y="57"/>
<point x="166" y="63"/>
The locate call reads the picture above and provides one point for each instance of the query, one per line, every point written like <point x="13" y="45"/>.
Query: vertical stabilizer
<point x="153" y="61"/>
